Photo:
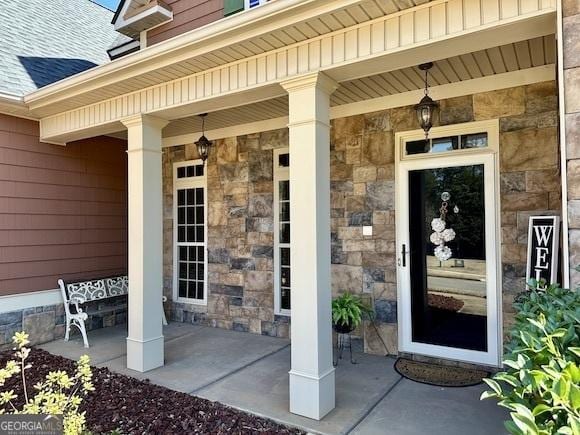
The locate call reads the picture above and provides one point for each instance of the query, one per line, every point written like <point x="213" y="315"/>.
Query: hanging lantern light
<point x="203" y="143"/>
<point x="426" y="107"/>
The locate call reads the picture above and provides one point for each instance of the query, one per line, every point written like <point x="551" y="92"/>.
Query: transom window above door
<point x="469" y="137"/>
<point x="446" y="144"/>
<point x="190" y="171"/>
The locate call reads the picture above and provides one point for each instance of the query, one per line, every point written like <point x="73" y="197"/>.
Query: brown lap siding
<point x="187" y="15"/>
<point x="63" y="210"/>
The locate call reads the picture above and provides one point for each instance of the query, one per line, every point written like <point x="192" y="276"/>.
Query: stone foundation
<point x="240" y="209"/>
<point x="44" y="324"/>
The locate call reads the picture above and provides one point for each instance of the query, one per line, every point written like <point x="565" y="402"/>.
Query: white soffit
<point x="520" y="56"/>
<point x="511" y="57"/>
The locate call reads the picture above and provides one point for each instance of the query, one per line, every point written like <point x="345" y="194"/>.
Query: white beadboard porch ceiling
<point x="497" y="60"/>
<point x="287" y="35"/>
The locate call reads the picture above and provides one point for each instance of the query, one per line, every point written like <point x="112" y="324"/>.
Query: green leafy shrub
<point x="348" y="310"/>
<point x="541" y="383"/>
<point x="58" y="394"/>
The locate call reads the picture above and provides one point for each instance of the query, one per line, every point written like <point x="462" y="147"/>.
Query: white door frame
<point x="489" y="158"/>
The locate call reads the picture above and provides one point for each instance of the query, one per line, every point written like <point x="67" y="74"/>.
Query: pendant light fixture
<point x="203" y="143"/>
<point x="426" y="107"/>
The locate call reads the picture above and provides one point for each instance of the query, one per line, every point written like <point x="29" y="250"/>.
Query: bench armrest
<point x="77" y="302"/>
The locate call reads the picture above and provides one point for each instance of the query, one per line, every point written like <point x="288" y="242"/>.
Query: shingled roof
<point x="43" y="41"/>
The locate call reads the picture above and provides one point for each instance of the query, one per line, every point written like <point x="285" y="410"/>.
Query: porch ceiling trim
<point x="431" y="31"/>
<point x="450" y="90"/>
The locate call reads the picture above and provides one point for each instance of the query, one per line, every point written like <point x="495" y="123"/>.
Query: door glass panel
<point x="447" y="257"/>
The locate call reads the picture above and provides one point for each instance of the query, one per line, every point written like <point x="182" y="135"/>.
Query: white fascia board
<point x="11" y="98"/>
<point x="215" y="35"/>
<point x="13" y="105"/>
<point x="23" y="301"/>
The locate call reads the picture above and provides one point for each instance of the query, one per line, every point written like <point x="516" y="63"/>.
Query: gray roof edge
<point x="118" y="11"/>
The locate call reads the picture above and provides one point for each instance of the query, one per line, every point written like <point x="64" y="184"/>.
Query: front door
<point x="447" y="262"/>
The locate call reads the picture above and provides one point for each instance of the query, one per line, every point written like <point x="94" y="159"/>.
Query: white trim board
<point x="565" y="267"/>
<point x="451" y="90"/>
<point x="23" y="301"/>
<point x="13" y="105"/>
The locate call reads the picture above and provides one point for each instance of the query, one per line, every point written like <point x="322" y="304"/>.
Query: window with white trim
<point x="190" y="232"/>
<point x="282" y="281"/>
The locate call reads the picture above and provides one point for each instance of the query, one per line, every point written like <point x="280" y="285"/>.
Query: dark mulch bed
<point x="131" y="406"/>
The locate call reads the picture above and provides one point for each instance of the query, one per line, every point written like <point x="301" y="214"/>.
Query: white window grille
<point x="190" y="232"/>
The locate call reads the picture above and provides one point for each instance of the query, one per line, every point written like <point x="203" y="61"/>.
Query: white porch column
<point x="145" y="337"/>
<point x="312" y="373"/>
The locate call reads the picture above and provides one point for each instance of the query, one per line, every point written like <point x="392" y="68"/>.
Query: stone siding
<point x="571" y="41"/>
<point x="240" y="215"/>
<point x="240" y="235"/>
<point x="363" y="175"/>
<point x="44" y="324"/>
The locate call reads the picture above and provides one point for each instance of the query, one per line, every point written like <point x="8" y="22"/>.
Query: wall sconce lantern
<point x="426" y="107"/>
<point x="203" y="143"/>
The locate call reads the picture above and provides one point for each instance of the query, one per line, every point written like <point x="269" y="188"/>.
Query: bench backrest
<point x="117" y="286"/>
<point x="93" y="290"/>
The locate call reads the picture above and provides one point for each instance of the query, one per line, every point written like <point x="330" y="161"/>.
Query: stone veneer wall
<point x="362" y="193"/>
<point x="240" y="234"/>
<point x="571" y="41"/>
<point x="47" y="323"/>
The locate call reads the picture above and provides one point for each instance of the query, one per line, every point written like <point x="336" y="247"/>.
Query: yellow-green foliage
<point x="58" y="394"/>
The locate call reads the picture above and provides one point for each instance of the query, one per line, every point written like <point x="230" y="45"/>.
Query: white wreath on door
<point x="440" y="234"/>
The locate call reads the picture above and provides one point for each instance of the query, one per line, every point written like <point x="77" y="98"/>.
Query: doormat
<point x="447" y="303"/>
<point x="439" y="375"/>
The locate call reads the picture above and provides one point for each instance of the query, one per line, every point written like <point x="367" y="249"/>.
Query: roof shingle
<point x="43" y="41"/>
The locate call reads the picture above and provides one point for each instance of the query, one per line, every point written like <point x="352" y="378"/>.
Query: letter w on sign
<point x="543" y="234"/>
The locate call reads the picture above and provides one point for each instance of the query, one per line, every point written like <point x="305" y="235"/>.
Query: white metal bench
<point x="75" y="294"/>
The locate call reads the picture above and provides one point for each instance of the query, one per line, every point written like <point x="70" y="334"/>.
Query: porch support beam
<point x="312" y="388"/>
<point x="145" y="337"/>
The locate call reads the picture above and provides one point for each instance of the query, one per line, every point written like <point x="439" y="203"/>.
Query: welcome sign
<point x="543" y="241"/>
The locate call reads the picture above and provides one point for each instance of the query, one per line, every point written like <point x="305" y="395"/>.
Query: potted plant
<point x="347" y="312"/>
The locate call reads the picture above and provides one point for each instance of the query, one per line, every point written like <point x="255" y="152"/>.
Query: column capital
<point x="314" y="80"/>
<point x="144" y="120"/>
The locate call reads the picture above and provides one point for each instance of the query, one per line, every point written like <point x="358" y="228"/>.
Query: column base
<point x="145" y="355"/>
<point x="311" y="396"/>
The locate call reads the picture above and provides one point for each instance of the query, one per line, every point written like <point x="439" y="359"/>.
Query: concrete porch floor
<point x="250" y="372"/>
